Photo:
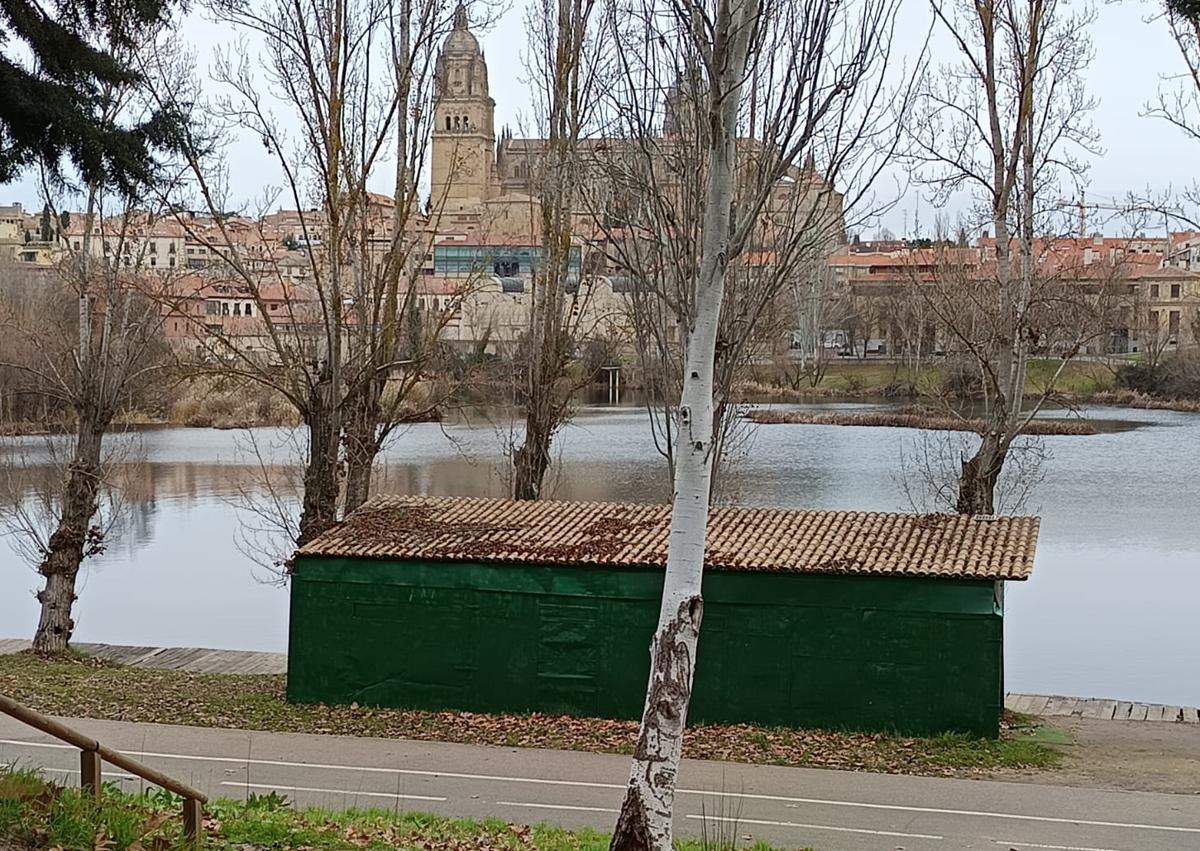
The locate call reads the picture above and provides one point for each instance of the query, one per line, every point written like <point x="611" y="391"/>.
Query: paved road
<point x="788" y="807"/>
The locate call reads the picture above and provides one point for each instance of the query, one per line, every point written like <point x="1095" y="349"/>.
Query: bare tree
<point x="395" y="348"/>
<point x="1180" y="104"/>
<point x="96" y="341"/>
<point x="345" y="341"/>
<point x="562" y="60"/>
<point x="1005" y="123"/>
<point x="910" y="335"/>
<point x="314" y="59"/>
<point x="1075" y="305"/>
<point x="25" y="403"/>
<point x="807" y="77"/>
<point x="819" y="307"/>
<point x="651" y="206"/>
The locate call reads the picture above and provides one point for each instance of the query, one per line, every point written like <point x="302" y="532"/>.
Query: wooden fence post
<point x="89" y="772"/>
<point x="193" y="821"/>
<point x="92" y="756"/>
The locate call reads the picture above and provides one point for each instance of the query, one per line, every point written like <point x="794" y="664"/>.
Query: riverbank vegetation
<point x="1167" y="382"/>
<point x="914" y="417"/>
<point x="81" y="687"/>
<point x="37" y="813"/>
<point x="213" y="402"/>
<point x="216" y="401"/>
<point x="854" y="378"/>
<point x="1134" y="399"/>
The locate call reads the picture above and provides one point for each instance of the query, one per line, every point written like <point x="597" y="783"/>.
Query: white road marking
<point x="555" y="807"/>
<point x="275" y="788"/>
<point x="115" y="774"/>
<point x="593" y="785"/>
<point x="335" y="767"/>
<point x="1053" y="847"/>
<point x="947" y="811"/>
<point x="817" y="827"/>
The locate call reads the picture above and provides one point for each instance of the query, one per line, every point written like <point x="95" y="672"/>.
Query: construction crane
<point x="1083" y="206"/>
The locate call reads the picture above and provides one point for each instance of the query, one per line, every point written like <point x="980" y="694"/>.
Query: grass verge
<point x="39" y="814"/>
<point x="93" y="689"/>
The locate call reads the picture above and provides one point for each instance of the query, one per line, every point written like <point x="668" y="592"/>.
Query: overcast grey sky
<point x="1132" y="56"/>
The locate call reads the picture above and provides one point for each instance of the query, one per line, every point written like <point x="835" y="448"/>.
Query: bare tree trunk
<point x="324" y="408"/>
<point x="70" y="540"/>
<point x="981" y="472"/>
<point x="1013" y="172"/>
<point x="544" y="411"/>
<point x="363" y="414"/>
<point x="358" y="480"/>
<point x="366" y="421"/>
<point x="1024" y="293"/>
<point x="977" y="481"/>
<point x="646" y="814"/>
<point x="645" y="819"/>
<point x="531" y="459"/>
<point x="548" y="376"/>
<point x="319" y="510"/>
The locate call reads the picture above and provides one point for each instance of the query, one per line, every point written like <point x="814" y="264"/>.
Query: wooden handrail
<point x="92" y="753"/>
<point x="151" y="774"/>
<point x="47" y="725"/>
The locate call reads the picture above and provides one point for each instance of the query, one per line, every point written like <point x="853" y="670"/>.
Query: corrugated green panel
<point x="854" y="652"/>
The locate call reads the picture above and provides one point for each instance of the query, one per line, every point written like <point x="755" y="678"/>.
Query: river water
<point x="1111" y="610"/>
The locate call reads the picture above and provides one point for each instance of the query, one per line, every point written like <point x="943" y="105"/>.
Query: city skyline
<point x="1139" y="152"/>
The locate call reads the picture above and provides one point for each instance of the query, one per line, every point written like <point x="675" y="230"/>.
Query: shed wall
<point x="914" y="655"/>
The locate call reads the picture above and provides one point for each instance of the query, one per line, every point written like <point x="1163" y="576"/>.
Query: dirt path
<point x="1129" y="755"/>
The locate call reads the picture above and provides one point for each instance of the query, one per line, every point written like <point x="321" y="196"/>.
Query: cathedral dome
<point x="460" y="39"/>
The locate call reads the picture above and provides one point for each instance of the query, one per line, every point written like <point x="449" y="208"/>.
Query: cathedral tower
<point x="464" y="138"/>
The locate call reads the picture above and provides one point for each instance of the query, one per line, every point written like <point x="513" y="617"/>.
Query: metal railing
<point x="93" y="754"/>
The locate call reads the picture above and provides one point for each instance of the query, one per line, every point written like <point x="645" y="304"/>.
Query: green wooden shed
<point x="848" y="620"/>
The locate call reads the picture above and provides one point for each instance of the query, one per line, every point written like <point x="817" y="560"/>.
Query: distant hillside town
<point x="474" y="247"/>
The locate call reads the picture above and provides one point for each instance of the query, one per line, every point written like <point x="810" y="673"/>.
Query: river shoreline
<point x="760" y="394"/>
<point x="757" y="395"/>
<point x="915" y="417"/>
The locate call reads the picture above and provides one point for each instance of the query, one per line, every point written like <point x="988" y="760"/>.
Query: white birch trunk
<point x="645" y="821"/>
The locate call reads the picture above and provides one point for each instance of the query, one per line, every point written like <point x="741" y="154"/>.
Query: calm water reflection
<point x="1111" y="609"/>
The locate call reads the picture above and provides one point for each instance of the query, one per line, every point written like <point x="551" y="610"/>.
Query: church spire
<point x="464" y="139"/>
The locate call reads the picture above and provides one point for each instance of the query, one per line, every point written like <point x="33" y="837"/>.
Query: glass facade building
<point x="503" y="260"/>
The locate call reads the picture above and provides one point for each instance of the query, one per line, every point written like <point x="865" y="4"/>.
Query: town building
<point x="12" y="231"/>
<point x="1184" y="250"/>
<point x="1151" y="305"/>
<point x="1167" y="300"/>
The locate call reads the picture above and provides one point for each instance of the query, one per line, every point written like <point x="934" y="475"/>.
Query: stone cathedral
<point x="473" y="178"/>
<point x="481" y="183"/>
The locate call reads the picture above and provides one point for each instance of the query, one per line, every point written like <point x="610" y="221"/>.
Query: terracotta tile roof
<point x="553" y="532"/>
